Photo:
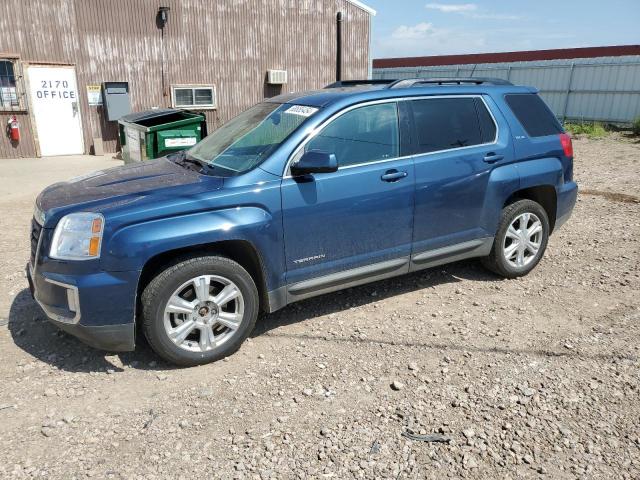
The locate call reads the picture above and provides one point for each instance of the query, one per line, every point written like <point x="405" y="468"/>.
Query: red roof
<point x="522" y="56"/>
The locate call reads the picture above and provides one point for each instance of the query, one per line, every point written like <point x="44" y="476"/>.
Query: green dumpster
<point x="155" y="133"/>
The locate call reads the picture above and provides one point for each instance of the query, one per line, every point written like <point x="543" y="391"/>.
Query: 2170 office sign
<point x="55" y="89"/>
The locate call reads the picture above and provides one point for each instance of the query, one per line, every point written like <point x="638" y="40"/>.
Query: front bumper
<point x="97" y="308"/>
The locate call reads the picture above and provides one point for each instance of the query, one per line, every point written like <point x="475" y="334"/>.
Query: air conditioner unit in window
<point x="277" y="77"/>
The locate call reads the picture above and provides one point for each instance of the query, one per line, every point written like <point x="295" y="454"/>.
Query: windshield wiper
<point x="182" y="158"/>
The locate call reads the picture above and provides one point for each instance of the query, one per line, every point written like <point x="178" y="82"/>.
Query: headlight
<point x="78" y="237"/>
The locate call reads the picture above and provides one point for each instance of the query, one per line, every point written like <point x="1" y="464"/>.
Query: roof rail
<point x="412" y="82"/>
<point x="355" y="83"/>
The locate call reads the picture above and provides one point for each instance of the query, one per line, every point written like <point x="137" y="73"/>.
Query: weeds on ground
<point x="635" y="126"/>
<point x="592" y="130"/>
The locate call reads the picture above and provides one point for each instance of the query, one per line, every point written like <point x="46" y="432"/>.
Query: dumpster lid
<point x="153" y="120"/>
<point x="147" y="114"/>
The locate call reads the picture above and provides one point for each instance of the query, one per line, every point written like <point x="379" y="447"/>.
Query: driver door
<point x="353" y="225"/>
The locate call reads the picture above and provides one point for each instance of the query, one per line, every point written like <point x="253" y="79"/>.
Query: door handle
<point x="492" y="157"/>
<point x="393" y="176"/>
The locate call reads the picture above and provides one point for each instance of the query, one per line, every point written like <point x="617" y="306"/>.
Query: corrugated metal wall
<point x="603" y="89"/>
<point x="226" y="43"/>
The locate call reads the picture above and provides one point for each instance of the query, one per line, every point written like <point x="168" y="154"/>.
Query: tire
<point x="504" y="241"/>
<point x="182" y="322"/>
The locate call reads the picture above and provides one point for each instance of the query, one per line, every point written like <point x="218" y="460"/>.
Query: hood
<point x="119" y="185"/>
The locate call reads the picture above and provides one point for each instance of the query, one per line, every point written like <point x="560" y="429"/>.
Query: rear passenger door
<point x="457" y="143"/>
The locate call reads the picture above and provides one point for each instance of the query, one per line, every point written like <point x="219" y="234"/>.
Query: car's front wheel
<point x="520" y="241"/>
<point x="199" y="310"/>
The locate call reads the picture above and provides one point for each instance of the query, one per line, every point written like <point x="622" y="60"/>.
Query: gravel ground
<point x="529" y="378"/>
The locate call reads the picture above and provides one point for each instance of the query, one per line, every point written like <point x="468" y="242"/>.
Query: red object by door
<point x="14" y="129"/>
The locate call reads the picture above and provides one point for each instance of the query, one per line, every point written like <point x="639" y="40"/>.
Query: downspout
<point x="162" y="17"/>
<point x="339" y="46"/>
<point x="370" y="68"/>
<point x="164" y="85"/>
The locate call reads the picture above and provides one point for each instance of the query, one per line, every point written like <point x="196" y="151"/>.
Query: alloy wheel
<point x="522" y="240"/>
<point x="203" y="313"/>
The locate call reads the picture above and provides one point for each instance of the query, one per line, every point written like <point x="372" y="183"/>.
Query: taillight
<point x="567" y="146"/>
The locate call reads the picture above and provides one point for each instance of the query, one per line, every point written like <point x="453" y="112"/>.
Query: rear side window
<point x="533" y="114"/>
<point x="365" y="134"/>
<point x="446" y="123"/>
<point x="487" y="125"/>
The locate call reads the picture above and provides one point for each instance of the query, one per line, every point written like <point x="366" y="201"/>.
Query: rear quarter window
<point x="533" y="114"/>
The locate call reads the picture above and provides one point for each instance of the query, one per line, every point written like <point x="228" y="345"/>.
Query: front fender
<point x="130" y="247"/>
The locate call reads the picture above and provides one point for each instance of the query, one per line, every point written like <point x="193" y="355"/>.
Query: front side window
<point x="365" y="134"/>
<point x="248" y="139"/>
<point x="447" y="123"/>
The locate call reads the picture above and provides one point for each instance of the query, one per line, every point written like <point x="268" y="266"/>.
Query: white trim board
<point x="364" y="7"/>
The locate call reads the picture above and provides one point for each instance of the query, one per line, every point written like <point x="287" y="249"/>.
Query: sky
<point x="423" y="27"/>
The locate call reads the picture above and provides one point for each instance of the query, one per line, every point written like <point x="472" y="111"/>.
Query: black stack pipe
<point x="339" y="46"/>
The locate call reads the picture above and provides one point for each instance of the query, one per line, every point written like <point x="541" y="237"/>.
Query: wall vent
<point x="277" y="77"/>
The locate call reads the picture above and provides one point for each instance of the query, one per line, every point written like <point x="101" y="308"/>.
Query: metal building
<point x="219" y="57"/>
<point x="584" y="84"/>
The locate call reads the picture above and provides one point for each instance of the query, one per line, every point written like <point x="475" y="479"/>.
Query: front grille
<point x="36" y="229"/>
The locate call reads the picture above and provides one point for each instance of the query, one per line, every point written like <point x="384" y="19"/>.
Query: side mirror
<point x="314" y="161"/>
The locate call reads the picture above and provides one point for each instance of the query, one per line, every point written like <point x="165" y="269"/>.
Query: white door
<point x="56" y="110"/>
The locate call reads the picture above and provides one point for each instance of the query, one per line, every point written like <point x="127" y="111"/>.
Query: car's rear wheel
<point x="199" y="310"/>
<point x="520" y="241"/>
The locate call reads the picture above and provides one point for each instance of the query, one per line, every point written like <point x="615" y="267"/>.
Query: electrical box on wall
<point x="116" y="100"/>
<point x="277" y="77"/>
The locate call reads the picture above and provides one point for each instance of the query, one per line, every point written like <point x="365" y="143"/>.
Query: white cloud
<point x="469" y="10"/>
<point x="452" y="8"/>
<point x="495" y="16"/>
<point x="425" y="39"/>
<point x="415" y="32"/>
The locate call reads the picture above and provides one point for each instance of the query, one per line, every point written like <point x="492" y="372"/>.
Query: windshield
<point x="248" y="139"/>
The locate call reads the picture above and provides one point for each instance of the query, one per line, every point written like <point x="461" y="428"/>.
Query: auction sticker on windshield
<point x="301" y="110"/>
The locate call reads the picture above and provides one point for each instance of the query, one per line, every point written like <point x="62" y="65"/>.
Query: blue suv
<point x="301" y="195"/>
